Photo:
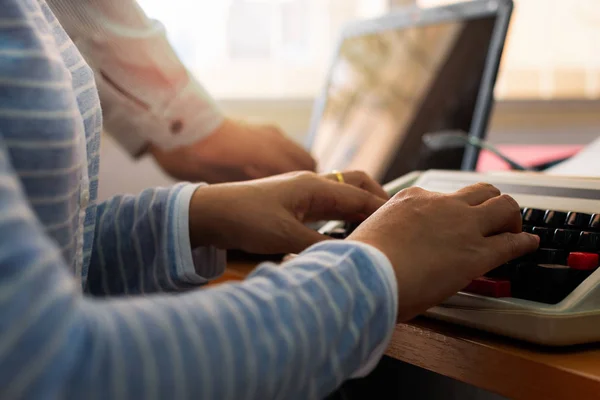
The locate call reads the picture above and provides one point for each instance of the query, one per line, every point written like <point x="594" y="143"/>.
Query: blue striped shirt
<point x="92" y="301"/>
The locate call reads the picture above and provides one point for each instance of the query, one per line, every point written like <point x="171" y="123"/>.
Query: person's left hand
<point x="235" y="151"/>
<point x="268" y="216"/>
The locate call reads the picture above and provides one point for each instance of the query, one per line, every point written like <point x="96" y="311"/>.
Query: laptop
<point x="396" y="78"/>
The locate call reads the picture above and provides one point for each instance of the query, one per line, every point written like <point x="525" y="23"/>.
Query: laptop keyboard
<point x="568" y="254"/>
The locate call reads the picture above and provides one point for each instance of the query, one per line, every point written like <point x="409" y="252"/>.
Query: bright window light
<point x="259" y="48"/>
<point x="551" y="51"/>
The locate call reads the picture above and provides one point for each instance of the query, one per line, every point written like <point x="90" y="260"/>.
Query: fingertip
<point x="346" y="201"/>
<point x="509" y="246"/>
<point x="532" y="236"/>
<point x="527" y="243"/>
<point x="382" y="194"/>
<point x="369" y="206"/>
<point x="535" y="239"/>
<point x="377" y="190"/>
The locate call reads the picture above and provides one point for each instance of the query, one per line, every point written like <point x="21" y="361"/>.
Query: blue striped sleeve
<point x="292" y="332"/>
<point x="142" y="245"/>
<point x="295" y="331"/>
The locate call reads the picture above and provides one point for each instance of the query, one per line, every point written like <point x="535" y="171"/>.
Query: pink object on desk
<point x="525" y="154"/>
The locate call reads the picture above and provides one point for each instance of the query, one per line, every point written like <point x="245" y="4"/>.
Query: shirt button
<point x="176" y="127"/>
<point x="85" y="198"/>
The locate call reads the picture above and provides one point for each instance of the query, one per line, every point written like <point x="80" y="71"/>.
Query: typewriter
<point x="550" y="297"/>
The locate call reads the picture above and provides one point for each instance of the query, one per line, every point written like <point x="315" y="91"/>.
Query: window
<point x="551" y="50"/>
<point x="282" y="48"/>
<point x="259" y="48"/>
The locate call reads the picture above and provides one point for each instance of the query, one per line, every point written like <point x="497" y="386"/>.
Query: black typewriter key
<point x="503" y="272"/>
<point x="519" y="280"/>
<point x="565" y="238"/>
<point x="533" y="216"/>
<point x="545" y="235"/>
<point x="551" y="257"/>
<point x="577" y="220"/>
<point x="528" y="228"/>
<point x="589" y="241"/>
<point x="526" y="259"/>
<point x="595" y="222"/>
<point x="555" y="218"/>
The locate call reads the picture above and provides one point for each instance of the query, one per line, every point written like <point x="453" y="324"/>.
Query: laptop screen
<point x="387" y="87"/>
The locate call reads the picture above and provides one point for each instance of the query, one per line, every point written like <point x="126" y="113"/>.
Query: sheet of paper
<point x="584" y="163"/>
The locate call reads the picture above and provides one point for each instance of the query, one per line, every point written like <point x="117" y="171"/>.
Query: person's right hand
<point x="437" y="243"/>
<point x="235" y="151"/>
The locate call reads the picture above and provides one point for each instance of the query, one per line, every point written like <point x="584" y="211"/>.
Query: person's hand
<point x="235" y="152"/>
<point x="268" y="215"/>
<point x="438" y="243"/>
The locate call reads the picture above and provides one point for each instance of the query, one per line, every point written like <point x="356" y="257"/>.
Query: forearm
<point x="292" y="331"/>
<point x="142" y="245"/>
<point x="147" y="93"/>
<point x="295" y="331"/>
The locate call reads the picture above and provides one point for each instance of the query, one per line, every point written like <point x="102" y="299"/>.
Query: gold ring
<point x="339" y="176"/>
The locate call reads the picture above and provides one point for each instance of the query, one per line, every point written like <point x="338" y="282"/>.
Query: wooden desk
<point x="508" y="367"/>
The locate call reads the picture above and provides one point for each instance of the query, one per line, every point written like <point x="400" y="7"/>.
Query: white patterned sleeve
<point x="147" y="94"/>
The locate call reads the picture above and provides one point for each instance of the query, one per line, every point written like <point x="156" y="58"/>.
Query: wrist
<point x="207" y="217"/>
<point x="201" y="218"/>
<point x="381" y="262"/>
<point x="393" y="272"/>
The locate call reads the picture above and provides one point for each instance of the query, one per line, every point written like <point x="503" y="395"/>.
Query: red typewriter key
<point x="583" y="261"/>
<point x="489" y="287"/>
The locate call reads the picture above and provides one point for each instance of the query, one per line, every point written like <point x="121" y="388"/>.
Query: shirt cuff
<point x="189" y="117"/>
<point x="193" y="266"/>
<point x="192" y="115"/>
<point x="379" y="260"/>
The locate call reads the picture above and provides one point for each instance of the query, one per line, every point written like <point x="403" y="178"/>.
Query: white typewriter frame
<point x="574" y="320"/>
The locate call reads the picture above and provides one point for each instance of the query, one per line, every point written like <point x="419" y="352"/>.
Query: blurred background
<point x="280" y="49"/>
<point x="266" y="60"/>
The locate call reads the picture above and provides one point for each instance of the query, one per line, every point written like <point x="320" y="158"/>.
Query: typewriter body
<point x="551" y="297"/>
